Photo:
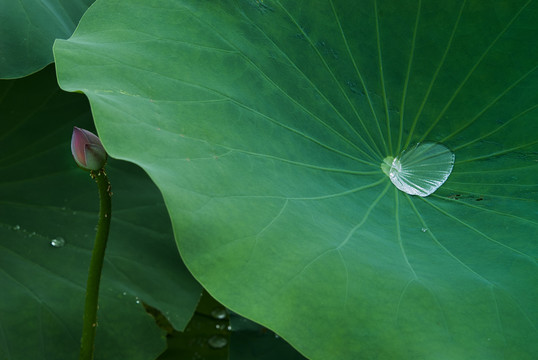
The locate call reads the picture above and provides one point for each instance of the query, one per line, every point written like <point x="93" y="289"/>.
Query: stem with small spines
<point x="96" y="265"/>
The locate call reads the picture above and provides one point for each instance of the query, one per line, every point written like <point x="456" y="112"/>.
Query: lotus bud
<point x="87" y="150"/>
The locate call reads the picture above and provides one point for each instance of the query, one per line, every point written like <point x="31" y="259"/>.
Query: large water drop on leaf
<point x="421" y="169"/>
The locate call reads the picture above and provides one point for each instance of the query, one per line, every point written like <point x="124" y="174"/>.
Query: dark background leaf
<point x="29" y="29"/>
<point x="44" y="196"/>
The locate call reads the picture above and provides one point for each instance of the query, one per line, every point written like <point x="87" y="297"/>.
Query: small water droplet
<point x="16" y="227"/>
<point x="424" y="229"/>
<point x="220" y="326"/>
<point x="217" y="342"/>
<point x="58" y="242"/>
<point x="219" y="313"/>
<point x="124" y="293"/>
<point x="229" y="328"/>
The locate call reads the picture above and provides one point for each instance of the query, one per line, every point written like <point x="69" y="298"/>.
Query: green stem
<point x="96" y="265"/>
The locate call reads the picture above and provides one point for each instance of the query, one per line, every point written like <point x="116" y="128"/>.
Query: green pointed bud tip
<point x="87" y="150"/>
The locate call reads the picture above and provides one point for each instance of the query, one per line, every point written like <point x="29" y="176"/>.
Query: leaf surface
<point x="264" y="124"/>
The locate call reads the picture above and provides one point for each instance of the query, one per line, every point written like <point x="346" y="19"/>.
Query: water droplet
<point x="424" y="229"/>
<point x="124" y="293"/>
<point x="421" y="169"/>
<point x="217" y="342"/>
<point x="16" y="227"/>
<point x="220" y="326"/>
<point x="219" y="313"/>
<point x="58" y="242"/>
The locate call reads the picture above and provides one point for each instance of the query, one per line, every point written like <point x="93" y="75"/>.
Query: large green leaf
<point x="45" y="198"/>
<point x="29" y="28"/>
<point x="264" y="124"/>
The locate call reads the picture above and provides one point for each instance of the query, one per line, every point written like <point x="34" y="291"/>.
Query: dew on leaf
<point x="219" y="313"/>
<point x="420" y="170"/>
<point x="16" y="227"/>
<point x="58" y="242"/>
<point x="217" y="342"/>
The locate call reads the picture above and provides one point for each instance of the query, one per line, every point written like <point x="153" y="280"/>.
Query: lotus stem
<point x="96" y="265"/>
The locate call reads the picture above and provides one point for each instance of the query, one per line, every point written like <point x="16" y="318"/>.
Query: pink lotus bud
<point x="87" y="150"/>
